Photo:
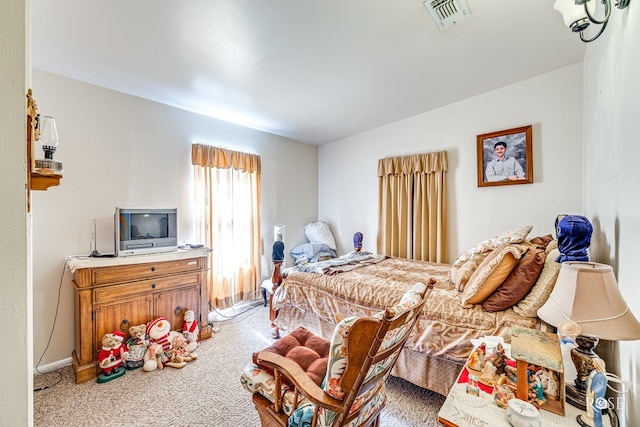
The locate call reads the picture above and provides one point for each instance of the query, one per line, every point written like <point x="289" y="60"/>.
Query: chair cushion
<point x="309" y="351"/>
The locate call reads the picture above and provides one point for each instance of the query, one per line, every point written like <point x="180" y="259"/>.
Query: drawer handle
<point x="124" y="323"/>
<point x="153" y="285"/>
<point x="177" y="311"/>
<point x="153" y="269"/>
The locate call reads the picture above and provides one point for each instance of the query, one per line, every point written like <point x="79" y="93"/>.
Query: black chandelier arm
<point x="607" y="13"/>
<point x="604" y="25"/>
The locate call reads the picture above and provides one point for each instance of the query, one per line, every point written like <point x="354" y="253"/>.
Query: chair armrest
<point x="300" y="380"/>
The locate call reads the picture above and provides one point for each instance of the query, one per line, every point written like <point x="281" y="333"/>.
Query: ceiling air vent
<point x="447" y="12"/>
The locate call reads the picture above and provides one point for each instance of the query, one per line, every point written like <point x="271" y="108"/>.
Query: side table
<point x="461" y="409"/>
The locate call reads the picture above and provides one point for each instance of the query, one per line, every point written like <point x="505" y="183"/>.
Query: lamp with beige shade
<point x="587" y="303"/>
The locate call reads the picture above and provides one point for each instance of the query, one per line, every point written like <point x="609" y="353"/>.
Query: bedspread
<point x="443" y="330"/>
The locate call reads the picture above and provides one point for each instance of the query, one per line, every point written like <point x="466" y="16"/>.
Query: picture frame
<point x="516" y="166"/>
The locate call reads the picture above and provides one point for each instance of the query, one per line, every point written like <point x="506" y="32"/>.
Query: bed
<point x="318" y="295"/>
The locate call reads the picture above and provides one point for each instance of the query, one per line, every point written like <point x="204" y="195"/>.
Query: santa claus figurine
<point x="190" y="330"/>
<point x="110" y="356"/>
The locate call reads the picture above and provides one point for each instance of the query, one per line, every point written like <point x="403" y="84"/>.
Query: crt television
<point x="145" y="231"/>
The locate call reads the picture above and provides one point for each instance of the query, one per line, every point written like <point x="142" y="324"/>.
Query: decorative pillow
<point x="491" y="273"/>
<point x="541" y="241"/>
<point x="552" y="245"/>
<point x="516" y="235"/>
<point x="309" y="351"/>
<point x="540" y="292"/>
<point x="519" y="282"/>
<point x="459" y="275"/>
<point x="319" y="232"/>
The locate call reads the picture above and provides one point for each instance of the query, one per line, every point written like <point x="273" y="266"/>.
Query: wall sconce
<point x="579" y="14"/>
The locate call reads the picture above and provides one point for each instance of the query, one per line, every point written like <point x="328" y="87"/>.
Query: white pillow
<point x="319" y="232"/>
<point x="517" y="235"/>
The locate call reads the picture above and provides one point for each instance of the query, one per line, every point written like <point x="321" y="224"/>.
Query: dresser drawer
<point x="116" y="274"/>
<point x="142" y="287"/>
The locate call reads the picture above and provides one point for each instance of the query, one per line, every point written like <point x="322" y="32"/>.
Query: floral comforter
<point x="444" y="329"/>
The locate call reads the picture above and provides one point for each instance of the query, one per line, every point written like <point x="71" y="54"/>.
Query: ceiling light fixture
<point x="447" y="12"/>
<point x="579" y="14"/>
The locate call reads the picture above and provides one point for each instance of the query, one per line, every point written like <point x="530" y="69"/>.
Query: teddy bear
<point x="110" y="356"/>
<point x="157" y="358"/>
<point x="179" y="351"/>
<point x="160" y="337"/>
<point x="136" y="347"/>
<point x="190" y="330"/>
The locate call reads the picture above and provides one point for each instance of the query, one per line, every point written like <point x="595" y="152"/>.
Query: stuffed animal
<point x="156" y="358"/>
<point x="160" y="338"/>
<point x="110" y="356"/>
<point x="190" y="330"/>
<point x="136" y="347"/>
<point x="179" y="351"/>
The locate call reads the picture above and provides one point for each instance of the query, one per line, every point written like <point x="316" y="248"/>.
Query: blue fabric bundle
<point x="574" y="237"/>
<point x="277" y="254"/>
<point x="311" y="252"/>
<point x="357" y="240"/>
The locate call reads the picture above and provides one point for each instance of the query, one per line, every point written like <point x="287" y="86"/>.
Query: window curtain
<point x="413" y="207"/>
<point x="228" y="218"/>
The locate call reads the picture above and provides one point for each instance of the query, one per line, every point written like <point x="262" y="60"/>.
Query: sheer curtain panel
<point x="413" y="207"/>
<point x="228" y="218"/>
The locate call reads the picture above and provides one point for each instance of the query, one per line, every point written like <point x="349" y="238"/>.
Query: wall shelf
<point x="37" y="180"/>
<point x="42" y="181"/>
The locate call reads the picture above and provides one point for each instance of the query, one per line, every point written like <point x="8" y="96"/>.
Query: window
<point x="228" y="218"/>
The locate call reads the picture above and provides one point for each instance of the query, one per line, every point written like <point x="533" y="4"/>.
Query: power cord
<point x="214" y="309"/>
<point x="64" y="268"/>
<point x="251" y="311"/>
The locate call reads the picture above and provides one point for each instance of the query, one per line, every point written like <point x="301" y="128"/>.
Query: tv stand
<point x="116" y="293"/>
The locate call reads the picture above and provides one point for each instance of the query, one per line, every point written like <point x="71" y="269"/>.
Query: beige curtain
<point x="413" y="207"/>
<point x="228" y="218"/>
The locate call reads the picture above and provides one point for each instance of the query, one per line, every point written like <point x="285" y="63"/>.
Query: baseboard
<point x="43" y="369"/>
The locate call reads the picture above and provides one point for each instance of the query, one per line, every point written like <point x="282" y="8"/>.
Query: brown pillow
<point x="519" y="282"/>
<point x="539" y="294"/>
<point x="542" y="240"/>
<point x="491" y="272"/>
<point x="309" y="351"/>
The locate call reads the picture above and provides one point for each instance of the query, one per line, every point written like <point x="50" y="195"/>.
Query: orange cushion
<point x="491" y="272"/>
<point x="518" y="283"/>
<point x="309" y="351"/>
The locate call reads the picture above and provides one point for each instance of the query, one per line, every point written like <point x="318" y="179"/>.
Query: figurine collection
<point x="497" y="370"/>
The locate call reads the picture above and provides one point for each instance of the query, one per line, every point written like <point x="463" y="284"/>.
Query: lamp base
<point x="576" y="397"/>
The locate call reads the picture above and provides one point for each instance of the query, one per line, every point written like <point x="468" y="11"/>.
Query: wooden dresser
<point x="115" y="293"/>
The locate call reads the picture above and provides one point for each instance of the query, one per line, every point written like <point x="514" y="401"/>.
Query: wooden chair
<point x="359" y="358"/>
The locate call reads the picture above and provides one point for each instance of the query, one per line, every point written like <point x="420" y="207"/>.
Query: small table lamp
<point x="586" y="294"/>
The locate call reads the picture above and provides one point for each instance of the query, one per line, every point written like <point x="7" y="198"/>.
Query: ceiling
<point x="313" y="71"/>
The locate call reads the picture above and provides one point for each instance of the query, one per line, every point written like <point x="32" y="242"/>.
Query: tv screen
<point x="141" y="231"/>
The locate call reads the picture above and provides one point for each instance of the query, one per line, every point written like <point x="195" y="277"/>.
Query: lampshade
<point x="48" y="136"/>
<point x="587" y="293"/>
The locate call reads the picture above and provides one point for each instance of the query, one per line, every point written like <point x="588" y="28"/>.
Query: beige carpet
<point x="206" y="392"/>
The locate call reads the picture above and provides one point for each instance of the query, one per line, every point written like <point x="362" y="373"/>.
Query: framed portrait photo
<point x="505" y="157"/>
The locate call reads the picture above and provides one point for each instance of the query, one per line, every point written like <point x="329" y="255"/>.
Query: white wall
<point x="612" y="174"/>
<point x="16" y="387"/>
<point x="120" y="150"/>
<point x="552" y="103"/>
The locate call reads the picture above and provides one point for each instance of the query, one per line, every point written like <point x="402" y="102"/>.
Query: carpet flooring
<point x="206" y="392"/>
